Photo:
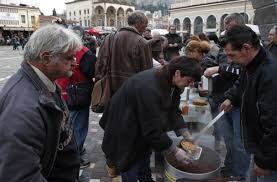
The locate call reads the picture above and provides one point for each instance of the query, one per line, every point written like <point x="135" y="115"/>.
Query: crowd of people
<point x="45" y="105"/>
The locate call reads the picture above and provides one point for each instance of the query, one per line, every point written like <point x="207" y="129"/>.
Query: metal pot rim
<point x="208" y="173"/>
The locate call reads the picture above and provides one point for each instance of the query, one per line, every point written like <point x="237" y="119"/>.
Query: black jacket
<point x="228" y="75"/>
<point x="256" y="92"/>
<point x="172" y="39"/>
<point x="138" y="116"/>
<point x="272" y="50"/>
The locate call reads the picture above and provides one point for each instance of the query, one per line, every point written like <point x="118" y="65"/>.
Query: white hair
<point x="52" y="38"/>
<point x="155" y="34"/>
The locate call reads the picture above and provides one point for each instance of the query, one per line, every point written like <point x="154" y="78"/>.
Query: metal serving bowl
<point x="207" y="167"/>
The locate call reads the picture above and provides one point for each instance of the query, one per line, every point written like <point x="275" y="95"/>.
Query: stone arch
<point x="187" y="25"/>
<point x="211" y="22"/>
<point x="245" y="17"/>
<point x="128" y="11"/>
<point x="120" y="17"/>
<point x="198" y="25"/>
<point x="99" y="17"/>
<point x="111" y="16"/>
<point x="177" y="23"/>
<point x="222" y="22"/>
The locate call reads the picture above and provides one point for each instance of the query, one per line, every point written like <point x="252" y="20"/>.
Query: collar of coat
<point x="259" y="59"/>
<point x="45" y="97"/>
<point x="130" y="28"/>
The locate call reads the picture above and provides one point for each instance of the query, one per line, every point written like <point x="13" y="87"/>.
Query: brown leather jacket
<point x="130" y="54"/>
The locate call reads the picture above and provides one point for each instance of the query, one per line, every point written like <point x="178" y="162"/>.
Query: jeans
<point x="80" y="121"/>
<point x="217" y="132"/>
<point x="251" y="176"/>
<point x="144" y="173"/>
<point x="236" y="158"/>
<point x="132" y="174"/>
<point x="271" y="178"/>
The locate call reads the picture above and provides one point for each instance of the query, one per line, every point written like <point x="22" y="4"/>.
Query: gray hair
<point x="274" y="28"/>
<point x="52" y="38"/>
<point x="238" y="18"/>
<point x="137" y="17"/>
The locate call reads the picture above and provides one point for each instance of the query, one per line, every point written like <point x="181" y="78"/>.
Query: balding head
<point x="272" y="36"/>
<point x="232" y="20"/>
<point x="138" y="20"/>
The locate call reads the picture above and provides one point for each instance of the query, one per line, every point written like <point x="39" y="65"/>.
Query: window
<point x="33" y="20"/>
<point x="80" y="22"/>
<point x="69" y="13"/>
<point x="89" y="23"/>
<point x="99" y="11"/>
<point x="85" y="12"/>
<point x="99" y="22"/>
<point x="86" y="23"/>
<point x="74" y="13"/>
<point x="23" y="19"/>
<point x="80" y="12"/>
<point x="88" y="11"/>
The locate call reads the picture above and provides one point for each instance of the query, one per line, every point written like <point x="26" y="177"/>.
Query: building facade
<point x="80" y="11"/>
<point x="265" y="15"/>
<point x="99" y="13"/>
<point x="15" y="19"/>
<point x="197" y="16"/>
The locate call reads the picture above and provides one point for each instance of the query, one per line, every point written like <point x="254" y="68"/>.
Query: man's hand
<point x="175" y="45"/>
<point x="181" y="156"/>
<point x="261" y="172"/>
<point x="226" y="105"/>
<point x="187" y="136"/>
<point x="210" y="71"/>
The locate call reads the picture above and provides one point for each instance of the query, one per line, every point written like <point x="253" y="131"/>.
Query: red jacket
<point x="77" y="76"/>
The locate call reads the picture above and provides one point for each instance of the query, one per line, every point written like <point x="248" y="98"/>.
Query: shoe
<point x="112" y="171"/>
<point x="84" y="164"/>
<point x="225" y="172"/>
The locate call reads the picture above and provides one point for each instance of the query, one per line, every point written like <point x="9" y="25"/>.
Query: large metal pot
<point x="207" y="167"/>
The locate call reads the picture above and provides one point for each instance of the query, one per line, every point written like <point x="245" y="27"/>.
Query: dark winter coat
<point x="36" y="139"/>
<point x="272" y="49"/>
<point x="173" y="51"/>
<point x="255" y="92"/>
<point x="228" y="75"/>
<point x="137" y="117"/>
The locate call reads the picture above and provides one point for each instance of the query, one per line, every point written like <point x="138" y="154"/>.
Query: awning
<point x="18" y="28"/>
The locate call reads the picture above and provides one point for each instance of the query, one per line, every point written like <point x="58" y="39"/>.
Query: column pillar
<point x="116" y="19"/>
<point x="265" y="15"/>
<point x="105" y="21"/>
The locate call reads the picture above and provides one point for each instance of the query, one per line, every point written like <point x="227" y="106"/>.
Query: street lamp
<point x="244" y="17"/>
<point x="28" y="23"/>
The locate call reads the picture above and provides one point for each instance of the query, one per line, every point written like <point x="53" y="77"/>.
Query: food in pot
<point x="209" y="161"/>
<point x="188" y="146"/>
<point x="199" y="102"/>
